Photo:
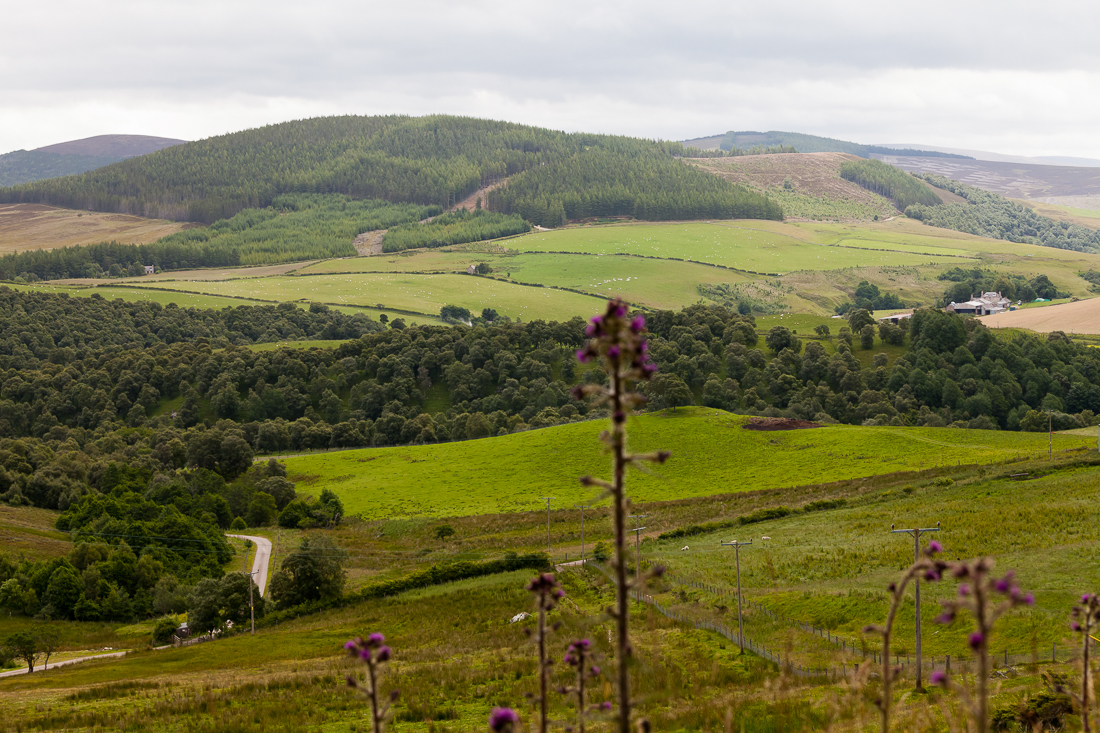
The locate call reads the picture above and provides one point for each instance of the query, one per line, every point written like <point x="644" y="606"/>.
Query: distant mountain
<point x="76" y="156"/>
<point x="896" y="149"/>
<point x="112" y="146"/>
<point x="804" y="144"/>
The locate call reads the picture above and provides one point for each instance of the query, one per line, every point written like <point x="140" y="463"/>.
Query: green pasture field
<point x="184" y="300"/>
<point x="711" y="454"/>
<point x="830" y="568"/>
<point x="412" y="292"/>
<point x="753" y="246"/>
<point x="664" y="284"/>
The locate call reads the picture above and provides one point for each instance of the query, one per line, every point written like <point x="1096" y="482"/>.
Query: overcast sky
<point x="1013" y="77"/>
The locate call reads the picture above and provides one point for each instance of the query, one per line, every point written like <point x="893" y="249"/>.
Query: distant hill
<point x="550" y="176"/>
<point x="112" y="146"/>
<point x="804" y="144"/>
<point x="76" y="156"/>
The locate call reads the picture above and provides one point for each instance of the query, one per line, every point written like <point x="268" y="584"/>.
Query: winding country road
<point x="62" y="663"/>
<point x="263" y="558"/>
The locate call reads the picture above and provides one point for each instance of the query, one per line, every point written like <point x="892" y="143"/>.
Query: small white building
<point x="471" y="270"/>
<point x="149" y="269"/>
<point x="985" y="304"/>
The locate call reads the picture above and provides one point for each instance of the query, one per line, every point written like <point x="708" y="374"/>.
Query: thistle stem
<point x="375" y="717"/>
<point x="621" y="582"/>
<point x="543" y="693"/>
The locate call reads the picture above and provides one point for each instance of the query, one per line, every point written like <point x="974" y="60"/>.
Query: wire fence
<point x="906" y="662"/>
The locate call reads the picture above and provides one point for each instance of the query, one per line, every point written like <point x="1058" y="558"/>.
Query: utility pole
<point x="737" y="556"/>
<point x="637" y="546"/>
<point x="251" y="607"/>
<point x="582" y="507"/>
<point x="548" y="498"/>
<point x="916" y="533"/>
<point x="1050" y="435"/>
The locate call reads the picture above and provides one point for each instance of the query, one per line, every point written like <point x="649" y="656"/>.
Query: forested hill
<point x="434" y="160"/>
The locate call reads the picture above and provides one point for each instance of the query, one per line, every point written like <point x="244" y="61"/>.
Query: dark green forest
<point x="886" y="180"/>
<point x="457" y="227"/>
<point x="435" y="160"/>
<point x="86" y="382"/>
<point x="626" y="179"/>
<point x="24" y="166"/>
<point x="991" y="215"/>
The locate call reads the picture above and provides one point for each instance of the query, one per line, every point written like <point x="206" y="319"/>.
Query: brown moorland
<point x="34" y="226"/>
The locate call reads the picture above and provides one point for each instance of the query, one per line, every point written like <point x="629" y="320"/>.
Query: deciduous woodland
<point x="86" y="382"/>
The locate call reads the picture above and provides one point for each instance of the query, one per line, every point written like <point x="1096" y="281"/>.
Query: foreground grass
<point x="711" y="454"/>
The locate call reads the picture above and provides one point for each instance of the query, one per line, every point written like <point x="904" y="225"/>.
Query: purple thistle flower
<point x="384" y="654"/>
<point x="976" y="641"/>
<point x="502" y="720"/>
<point x="939" y="678"/>
<point x="1075" y="626"/>
<point x="1001" y="586"/>
<point x="961" y="571"/>
<point x="351" y="646"/>
<point x="1029" y="599"/>
<point x="1085" y="598"/>
<point x="619" y="311"/>
<point x="364" y="654"/>
<point x="594" y="670"/>
<point x="934" y="547"/>
<point x="614" y="352"/>
<point x="637" y="325"/>
<point x="376" y="639"/>
<point x="946" y="617"/>
<point x="605" y="706"/>
<point x="932" y="575"/>
<point x="582" y="356"/>
<point x="964" y="590"/>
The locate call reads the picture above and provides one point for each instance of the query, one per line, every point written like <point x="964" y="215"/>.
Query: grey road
<point x="263" y="558"/>
<point x="62" y="663"/>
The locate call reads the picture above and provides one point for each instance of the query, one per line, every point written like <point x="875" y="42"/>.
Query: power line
<point x="548" y="498"/>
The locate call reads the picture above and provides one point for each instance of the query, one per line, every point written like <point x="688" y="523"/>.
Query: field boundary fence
<point x="906" y="662"/>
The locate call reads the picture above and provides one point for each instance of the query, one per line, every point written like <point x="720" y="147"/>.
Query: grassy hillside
<point x="817" y="144"/>
<point x="429" y="160"/>
<point x="711" y="453"/>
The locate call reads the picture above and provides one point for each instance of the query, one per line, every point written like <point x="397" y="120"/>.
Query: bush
<point x="601" y="552"/>
<point x="163" y="631"/>
<point x="238" y="524"/>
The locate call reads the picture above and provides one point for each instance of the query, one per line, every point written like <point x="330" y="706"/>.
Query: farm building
<point x="985" y="304"/>
<point x="149" y="269"/>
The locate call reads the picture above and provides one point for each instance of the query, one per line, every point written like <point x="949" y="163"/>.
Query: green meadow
<point x="759" y="247"/>
<point x="712" y="454"/>
<point x="424" y="294"/>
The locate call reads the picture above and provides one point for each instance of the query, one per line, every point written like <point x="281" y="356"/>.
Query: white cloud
<point x="974" y="75"/>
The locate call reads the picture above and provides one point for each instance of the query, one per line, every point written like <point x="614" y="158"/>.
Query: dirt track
<point x="1080" y="317"/>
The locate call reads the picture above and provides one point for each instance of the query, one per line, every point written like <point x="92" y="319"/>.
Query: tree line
<point x="626" y="178"/>
<point x="988" y="214"/>
<point x="887" y="181"/>
<point x="457" y="227"/>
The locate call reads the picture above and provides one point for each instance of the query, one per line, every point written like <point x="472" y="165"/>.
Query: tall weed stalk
<point x="617" y="342"/>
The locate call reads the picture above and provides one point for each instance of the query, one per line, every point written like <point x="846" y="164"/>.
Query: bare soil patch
<point x="34" y="226"/>
<point x="778" y="423"/>
<point x="369" y="243"/>
<point x="470" y="202"/>
<point x="1080" y="317"/>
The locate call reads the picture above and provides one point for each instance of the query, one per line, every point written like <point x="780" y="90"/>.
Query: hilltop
<point x="114" y="146"/>
<point x="436" y="160"/>
<point x="804" y="143"/>
<point x="76" y="156"/>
